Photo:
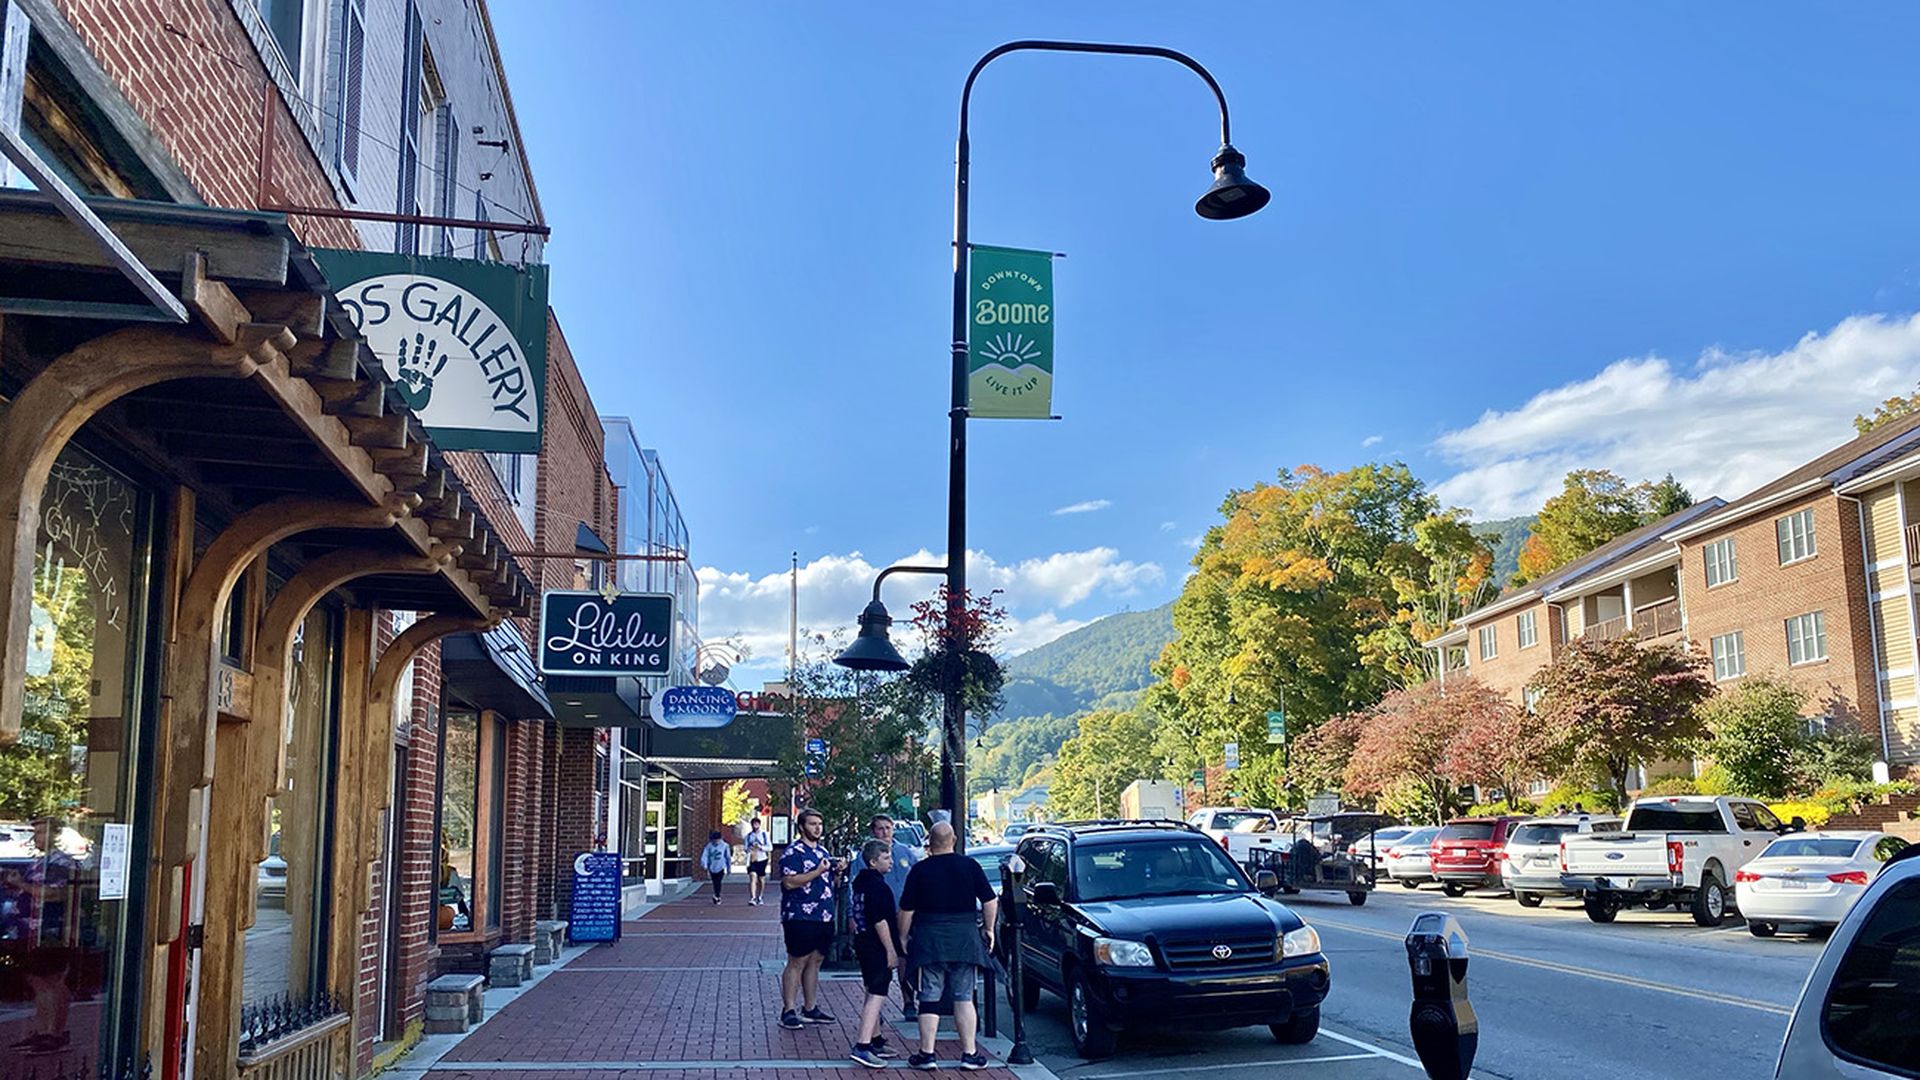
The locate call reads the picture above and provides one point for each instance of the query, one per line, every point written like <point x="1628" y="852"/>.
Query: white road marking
<point x="1379" y="1051"/>
<point x="1223" y="1066"/>
<point x="1591" y="973"/>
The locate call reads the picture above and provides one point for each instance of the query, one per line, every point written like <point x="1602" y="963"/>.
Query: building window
<point x="290" y="23"/>
<point x="352" y="65"/>
<point x="1729" y="656"/>
<point x="447" y="183"/>
<point x="1795" y="533"/>
<point x="413" y="98"/>
<point x="286" y="945"/>
<point x="1807" y="638"/>
<point x="1537" y="788"/>
<point x="1525" y="628"/>
<point x="69" y="795"/>
<point x="1489" y="642"/>
<point x="1721" y="566"/>
<point x="459" y="818"/>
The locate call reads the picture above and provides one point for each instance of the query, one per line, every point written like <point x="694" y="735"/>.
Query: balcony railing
<point x="1609" y="629"/>
<point x="1657" y="620"/>
<point x="282" y="1039"/>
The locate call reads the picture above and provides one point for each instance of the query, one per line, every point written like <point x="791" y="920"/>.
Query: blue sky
<point x="1504" y="241"/>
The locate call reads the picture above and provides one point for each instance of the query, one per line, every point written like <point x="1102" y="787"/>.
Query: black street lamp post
<point x="1230" y="196"/>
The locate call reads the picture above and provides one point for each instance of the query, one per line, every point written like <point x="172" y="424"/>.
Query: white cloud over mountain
<point x="1723" y="425"/>
<point x="752" y="608"/>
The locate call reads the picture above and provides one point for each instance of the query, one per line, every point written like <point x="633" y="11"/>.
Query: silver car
<point x="1530" y="863"/>
<point x="1410" y="860"/>
<point x="1855" y="1017"/>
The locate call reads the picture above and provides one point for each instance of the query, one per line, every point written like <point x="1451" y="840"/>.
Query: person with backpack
<point x="759" y="852"/>
<point x="715" y="858"/>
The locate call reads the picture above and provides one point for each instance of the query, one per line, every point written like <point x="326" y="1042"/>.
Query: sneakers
<point x="865" y="1055"/>
<point x="974" y="1061"/>
<point x="880" y="1047"/>
<point x="791" y="1020"/>
<point x="817" y="1016"/>
<point x="922" y="1061"/>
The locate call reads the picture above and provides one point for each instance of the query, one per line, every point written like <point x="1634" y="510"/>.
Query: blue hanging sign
<point x="595" y="915"/>
<point x="695" y="707"/>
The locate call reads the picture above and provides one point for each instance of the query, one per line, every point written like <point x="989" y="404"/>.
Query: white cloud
<point x="1371" y="440"/>
<point x="752" y="609"/>
<point x="1724" y="426"/>
<point x="1169" y="526"/>
<point x="1087" y="507"/>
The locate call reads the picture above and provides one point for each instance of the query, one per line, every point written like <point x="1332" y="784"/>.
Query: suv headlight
<point x="1302" y="942"/>
<point x="1119" y="952"/>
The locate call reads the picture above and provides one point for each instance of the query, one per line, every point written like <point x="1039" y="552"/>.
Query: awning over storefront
<point x="701" y="769"/>
<point x="493" y="670"/>
<point x="596" y="701"/>
<point x="748" y="747"/>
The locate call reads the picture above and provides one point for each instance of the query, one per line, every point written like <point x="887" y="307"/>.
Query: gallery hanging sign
<point x="465" y="340"/>
<point x="1009" y="333"/>
<point x="588" y="633"/>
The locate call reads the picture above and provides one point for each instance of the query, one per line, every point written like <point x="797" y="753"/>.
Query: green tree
<point x="1111" y="750"/>
<point x="1285" y="593"/>
<point x="37" y="773"/>
<point x="1894" y="408"/>
<point x="1754" y="732"/>
<point x="1666" y="496"/>
<point x="879" y="741"/>
<point x="736" y="804"/>
<point x="1447" y="573"/>
<point x="1593" y="507"/>
<point x="1615" y="704"/>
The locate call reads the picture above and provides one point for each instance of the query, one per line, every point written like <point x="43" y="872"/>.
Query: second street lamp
<point x="1231" y="196"/>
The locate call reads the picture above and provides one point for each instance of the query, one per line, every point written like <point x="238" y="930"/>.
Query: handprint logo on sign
<point x="420" y="361"/>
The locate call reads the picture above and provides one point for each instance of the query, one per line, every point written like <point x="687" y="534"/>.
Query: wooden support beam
<point x="303" y="313"/>
<point x="336" y="359"/>
<point x="211" y="302"/>
<point x="350" y="397"/>
<point x="458" y="527"/>
<point x="377" y="432"/>
<point x="431" y="486"/>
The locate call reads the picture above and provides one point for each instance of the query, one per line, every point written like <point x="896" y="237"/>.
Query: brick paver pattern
<point x="691" y="985"/>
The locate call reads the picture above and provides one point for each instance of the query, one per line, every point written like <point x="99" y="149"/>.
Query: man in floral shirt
<point x="806" y="919"/>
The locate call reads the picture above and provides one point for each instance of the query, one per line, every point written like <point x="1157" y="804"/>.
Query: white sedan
<point x="1810" y="879"/>
<point x="1410" y="859"/>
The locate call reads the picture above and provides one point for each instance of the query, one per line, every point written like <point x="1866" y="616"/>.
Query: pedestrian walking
<point x="875" y="943"/>
<point x="904" y="857"/>
<point x="759" y="852"/>
<point x="806" y="921"/>
<point x="947" y="915"/>
<point x="716" y="858"/>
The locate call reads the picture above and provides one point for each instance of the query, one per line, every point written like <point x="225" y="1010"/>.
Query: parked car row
<point x="1707" y="856"/>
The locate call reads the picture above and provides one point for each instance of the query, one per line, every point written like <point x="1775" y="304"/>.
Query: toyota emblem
<point x="1222" y="952"/>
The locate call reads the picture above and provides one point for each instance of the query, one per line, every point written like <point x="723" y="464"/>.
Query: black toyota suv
<point x="1140" y="923"/>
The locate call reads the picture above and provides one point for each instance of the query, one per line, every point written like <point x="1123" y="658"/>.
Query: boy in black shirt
<point x="875" y="937"/>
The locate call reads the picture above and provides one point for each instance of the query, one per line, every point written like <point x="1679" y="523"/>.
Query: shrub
<point x="1841" y="755"/>
<point x="1672" y="785"/>
<point x="1756" y="732"/>
<point x="1850" y="797"/>
<point x="1575" y="794"/>
<point x="1815" y="814"/>
<point x="1713" y="780"/>
<point x="1499" y="808"/>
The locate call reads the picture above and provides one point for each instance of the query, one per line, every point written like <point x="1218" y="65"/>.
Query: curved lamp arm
<point x="966" y="93"/>
<point x="903" y="570"/>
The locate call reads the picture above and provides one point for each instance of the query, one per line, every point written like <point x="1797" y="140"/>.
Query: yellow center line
<point x="1591" y="973"/>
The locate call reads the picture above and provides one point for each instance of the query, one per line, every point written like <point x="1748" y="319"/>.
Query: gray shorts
<point x="937" y="979"/>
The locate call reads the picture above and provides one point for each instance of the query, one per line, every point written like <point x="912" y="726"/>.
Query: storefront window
<point x="69" y="828"/>
<point x="663" y="826"/>
<point x="284" y="946"/>
<point x="459" y="817"/>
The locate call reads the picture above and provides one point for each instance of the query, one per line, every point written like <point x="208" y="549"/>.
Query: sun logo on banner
<point x="1012" y="350"/>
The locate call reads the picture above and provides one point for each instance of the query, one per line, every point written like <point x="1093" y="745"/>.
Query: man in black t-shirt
<point x="947" y="913"/>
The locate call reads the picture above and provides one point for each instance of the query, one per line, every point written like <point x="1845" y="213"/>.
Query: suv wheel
<point x="1453" y="889"/>
<point x="1709" y="901"/>
<point x="1527" y="899"/>
<point x="1761" y="929"/>
<point x="1092" y="1038"/>
<point x="1299" y="1029"/>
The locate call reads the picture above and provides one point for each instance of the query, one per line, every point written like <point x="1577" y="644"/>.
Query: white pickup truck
<point x="1680" y="850"/>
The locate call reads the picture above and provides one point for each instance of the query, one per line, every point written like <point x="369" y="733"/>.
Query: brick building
<point x="273" y="655"/>
<point x="1810" y="577"/>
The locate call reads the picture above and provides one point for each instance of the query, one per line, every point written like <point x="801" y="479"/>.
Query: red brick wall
<point x="574" y="809"/>
<point x="190" y="72"/>
<point x="1511" y="667"/>
<point x="1764" y="594"/>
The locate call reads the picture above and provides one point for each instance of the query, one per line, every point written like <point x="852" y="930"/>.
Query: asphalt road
<point x="1651" y="996"/>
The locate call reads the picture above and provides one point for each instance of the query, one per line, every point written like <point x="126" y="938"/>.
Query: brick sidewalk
<point x="690" y="991"/>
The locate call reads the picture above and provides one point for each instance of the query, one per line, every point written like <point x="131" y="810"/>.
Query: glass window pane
<point x="282" y="953"/>
<point x="1865" y="1017"/>
<point x="459" y="817"/>
<point x="66" y="809"/>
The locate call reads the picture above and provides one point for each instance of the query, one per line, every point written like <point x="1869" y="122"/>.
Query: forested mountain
<point x="1506" y="551"/>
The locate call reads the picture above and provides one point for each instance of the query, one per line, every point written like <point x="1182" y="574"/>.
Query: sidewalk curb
<point x="996" y="1046"/>
<point x="425" y="1055"/>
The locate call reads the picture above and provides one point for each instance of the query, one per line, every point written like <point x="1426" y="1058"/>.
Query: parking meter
<point x="1444" y="1029"/>
<point x="1012" y="892"/>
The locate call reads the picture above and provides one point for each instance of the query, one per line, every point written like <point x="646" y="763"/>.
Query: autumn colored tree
<point x="1286" y="597"/>
<point x="1615" y="704"/>
<point x="1111" y="750"/>
<point x="1407" y="740"/>
<point x="1894" y="408"/>
<point x="1448" y="573"/>
<point x="1318" y="757"/>
<point x="1497" y="744"/>
<point x="1593" y="507"/>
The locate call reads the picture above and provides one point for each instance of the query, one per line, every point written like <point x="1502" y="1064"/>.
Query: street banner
<point x="465" y="341"/>
<point x="587" y="633"/>
<point x="1277" y="726"/>
<point x="1231" y="752"/>
<point x="1010" y="333"/>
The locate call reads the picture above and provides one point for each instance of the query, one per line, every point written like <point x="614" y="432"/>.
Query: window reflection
<point x="459" y="817"/>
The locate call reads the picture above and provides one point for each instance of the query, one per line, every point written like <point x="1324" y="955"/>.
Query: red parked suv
<point x="1467" y="852"/>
